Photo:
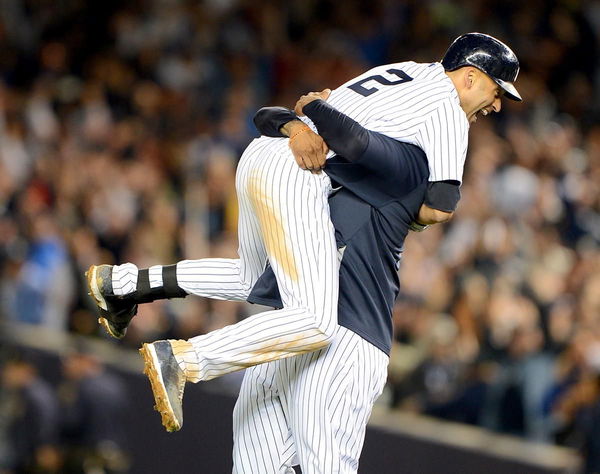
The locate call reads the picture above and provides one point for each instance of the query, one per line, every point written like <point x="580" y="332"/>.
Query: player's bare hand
<point x="308" y="98"/>
<point x="308" y="148"/>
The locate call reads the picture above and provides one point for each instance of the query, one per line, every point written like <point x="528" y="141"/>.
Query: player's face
<point x="483" y="97"/>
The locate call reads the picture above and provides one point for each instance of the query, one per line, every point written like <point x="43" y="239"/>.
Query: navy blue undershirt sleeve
<point x="443" y="195"/>
<point x="388" y="157"/>
<point x="343" y="135"/>
<point x="269" y="120"/>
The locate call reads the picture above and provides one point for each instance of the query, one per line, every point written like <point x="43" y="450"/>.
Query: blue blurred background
<point x="121" y="123"/>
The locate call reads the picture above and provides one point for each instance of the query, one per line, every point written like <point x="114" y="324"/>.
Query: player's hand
<point x="308" y="148"/>
<point x="308" y="98"/>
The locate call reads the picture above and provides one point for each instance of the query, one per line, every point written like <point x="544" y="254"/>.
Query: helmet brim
<point x="510" y="91"/>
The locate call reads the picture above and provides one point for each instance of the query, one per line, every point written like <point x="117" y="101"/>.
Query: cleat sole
<point x="162" y="405"/>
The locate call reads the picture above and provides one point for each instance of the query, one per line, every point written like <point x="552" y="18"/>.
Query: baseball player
<point x="473" y="74"/>
<point x="314" y="407"/>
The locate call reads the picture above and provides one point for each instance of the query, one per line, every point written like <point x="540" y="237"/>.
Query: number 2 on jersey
<point x="362" y="90"/>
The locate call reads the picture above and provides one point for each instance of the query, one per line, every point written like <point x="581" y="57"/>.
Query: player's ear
<point x="470" y="77"/>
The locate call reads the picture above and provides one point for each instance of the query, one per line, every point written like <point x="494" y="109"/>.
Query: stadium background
<point x="121" y="123"/>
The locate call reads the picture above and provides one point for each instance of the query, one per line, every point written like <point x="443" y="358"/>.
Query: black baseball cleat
<point x="167" y="380"/>
<point x="115" y="311"/>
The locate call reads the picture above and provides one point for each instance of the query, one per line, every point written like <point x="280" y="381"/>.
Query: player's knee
<point x="321" y="327"/>
<point x="329" y="332"/>
<point x="318" y="342"/>
<point x="326" y="330"/>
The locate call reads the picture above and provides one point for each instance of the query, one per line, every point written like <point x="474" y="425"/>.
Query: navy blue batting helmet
<point x="489" y="55"/>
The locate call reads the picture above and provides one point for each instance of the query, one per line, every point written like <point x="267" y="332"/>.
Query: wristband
<point x="416" y="227"/>
<point x="306" y="127"/>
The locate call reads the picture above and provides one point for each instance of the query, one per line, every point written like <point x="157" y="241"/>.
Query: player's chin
<point x="476" y="115"/>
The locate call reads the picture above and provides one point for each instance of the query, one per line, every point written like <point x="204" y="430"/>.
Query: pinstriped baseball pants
<point x="283" y="217"/>
<point x="311" y="409"/>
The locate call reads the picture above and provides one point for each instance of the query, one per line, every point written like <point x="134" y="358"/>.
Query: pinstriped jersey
<point x="414" y="103"/>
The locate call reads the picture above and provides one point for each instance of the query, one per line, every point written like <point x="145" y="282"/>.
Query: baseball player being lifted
<point x="283" y="217"/>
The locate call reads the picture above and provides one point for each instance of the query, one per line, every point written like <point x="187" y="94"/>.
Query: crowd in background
<point x="121" y="123"/>
<point x="76" y="426"/>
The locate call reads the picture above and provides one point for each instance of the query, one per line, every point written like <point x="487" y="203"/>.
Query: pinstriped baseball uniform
<point x="284" y="216"/>
<point x="327" y="424"/>
<point x="274" y="193"/>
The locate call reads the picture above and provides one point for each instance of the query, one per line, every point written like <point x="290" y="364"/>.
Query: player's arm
<point x="374" y="151"/>
<point x="440" y="203"/>
<point x="378" y="152"/>
<point x="309" y="149"/>
<point x="339" y="132"/>
<point x="381" y="154"/>
<point x="429" y="215"/>
<point x="343" y="135"/>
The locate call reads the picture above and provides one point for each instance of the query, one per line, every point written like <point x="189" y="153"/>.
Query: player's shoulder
<point x="406" y="66"/>
<point x="432" y="73"/>
<point x="432" y="78"/>
<point x="433" y="70"/>
<point x="421" y="73"/>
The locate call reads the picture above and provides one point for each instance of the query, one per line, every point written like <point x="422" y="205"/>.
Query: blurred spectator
<point x="43" y="287"/>
<point x="29" y="420"/>
<point x="573" y="402"/>
<point x="436" y="379"/>
<point x="93" y="405"/>
<point x="515" y="393"/>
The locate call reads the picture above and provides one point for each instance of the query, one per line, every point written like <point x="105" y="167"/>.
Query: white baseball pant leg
<point x="262" y="438"/>
<point x="312" y="408"/>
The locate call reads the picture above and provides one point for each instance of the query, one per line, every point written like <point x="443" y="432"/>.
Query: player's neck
<point x="457" y="78"/>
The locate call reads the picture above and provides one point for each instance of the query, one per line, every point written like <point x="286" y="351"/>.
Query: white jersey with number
<point x="415" y="103"/>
